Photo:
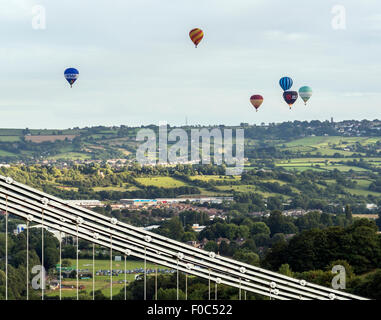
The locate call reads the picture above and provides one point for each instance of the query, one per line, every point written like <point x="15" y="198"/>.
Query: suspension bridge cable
<point x="125" y="277"/>
<point x="77" y="265"/>
<point x="239" y="289"/>
<point x="145" y="273"/>
<point x="177" y="280"/>
<point x="110" y="267"/>
<point x="6" y="247"/>
<point x="156" y="284"/>
<point x="186" y="286"/>
<point x="42" y="255"/>
<point x="60" y="265"/>
<point x="93" y="271"/>
<point x="27" y="260"/>
<point x="209" y="285"/>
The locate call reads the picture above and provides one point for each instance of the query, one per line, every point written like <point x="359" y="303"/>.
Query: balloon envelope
<point x="256" y="100"/>
<point x="196" y="36"/>
<point x="71" y="75"/>
<point x="305" y="93"/>
<point x="290" y="97"/>
<point x="286" y="83"/>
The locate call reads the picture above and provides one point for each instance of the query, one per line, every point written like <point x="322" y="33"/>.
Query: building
<point x="153" y="227"/>
<point x="154" y="202"/>
<point x="86" y="203"/>
<point x="371" y="206"/>
<point x="20" y="228"/>
<point x="198" y="228"/>
<point x="139" y="202"/>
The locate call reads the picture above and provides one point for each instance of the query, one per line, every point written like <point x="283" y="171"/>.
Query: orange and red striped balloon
<point x="196" y="36"/>
<point x="256" y="100"/>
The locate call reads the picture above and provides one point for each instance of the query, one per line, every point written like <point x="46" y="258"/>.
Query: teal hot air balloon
<point x="305" y="93"/>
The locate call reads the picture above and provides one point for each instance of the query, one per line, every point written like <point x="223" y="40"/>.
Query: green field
<point x="326" y="145"/>
<point x="302" y="164"/>
<point x="101" y="282"/>
<point x="9" y="138"/>
<point x="215" y="178"/>
<point x="238" y="188"/>
<point x="161" y="182"/>
<point x="71" y="156"/>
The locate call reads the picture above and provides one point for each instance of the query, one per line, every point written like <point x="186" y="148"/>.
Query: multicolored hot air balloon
<point x="71" y="75"/>
<point x="290" y="97"/>
<point x="305" y="93"/>
<point x="256" y="100"/>
<point x="196" y="36"/>
<point x="286" y="83"/>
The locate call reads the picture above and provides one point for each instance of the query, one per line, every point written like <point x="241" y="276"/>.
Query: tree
<point x="249" y="245"/>
<point x="358" y="244"/>
<point x="170" y="294"/>
<point x="261" y="239"/>
<point x="189" y="236"/>
<point x="286" y="270"/>
<point x="173" y="229"/>
<point x="247" y="257"/>
<point x="378" y="221"/>
<point x="211" y="246"/>
<point x="223" y="249"/>
<point x="348" y="213"/>
<point x="66" y="263"/>
<point x="260" y="227"/>
<point x="281" y="224"/>
<point x="368" y="286"/>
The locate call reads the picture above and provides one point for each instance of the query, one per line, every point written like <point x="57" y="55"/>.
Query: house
<point x="197" y="228"/>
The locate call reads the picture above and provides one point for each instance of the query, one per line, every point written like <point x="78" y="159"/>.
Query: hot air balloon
<point x="286" y="83"/>
<point x="256" y="100"/>
<point x="71" y="75"/>
<point x="196" y="36"/>
<point x="290" y="97"/>
<point x="305" y="93"/>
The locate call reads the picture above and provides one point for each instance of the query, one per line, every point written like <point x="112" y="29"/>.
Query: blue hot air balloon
<point x="286" y="83"/>
<point x="71" y="75"/>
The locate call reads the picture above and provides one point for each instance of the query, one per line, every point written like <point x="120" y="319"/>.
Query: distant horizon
<point x="183" y="125"/>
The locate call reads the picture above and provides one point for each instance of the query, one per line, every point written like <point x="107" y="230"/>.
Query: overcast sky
<point x="138" y="66"/>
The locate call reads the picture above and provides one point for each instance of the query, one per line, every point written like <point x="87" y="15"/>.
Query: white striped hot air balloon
<point x="305" y="93"/>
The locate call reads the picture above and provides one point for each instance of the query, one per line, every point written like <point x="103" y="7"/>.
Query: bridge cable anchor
<point x="9" y="180"/>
